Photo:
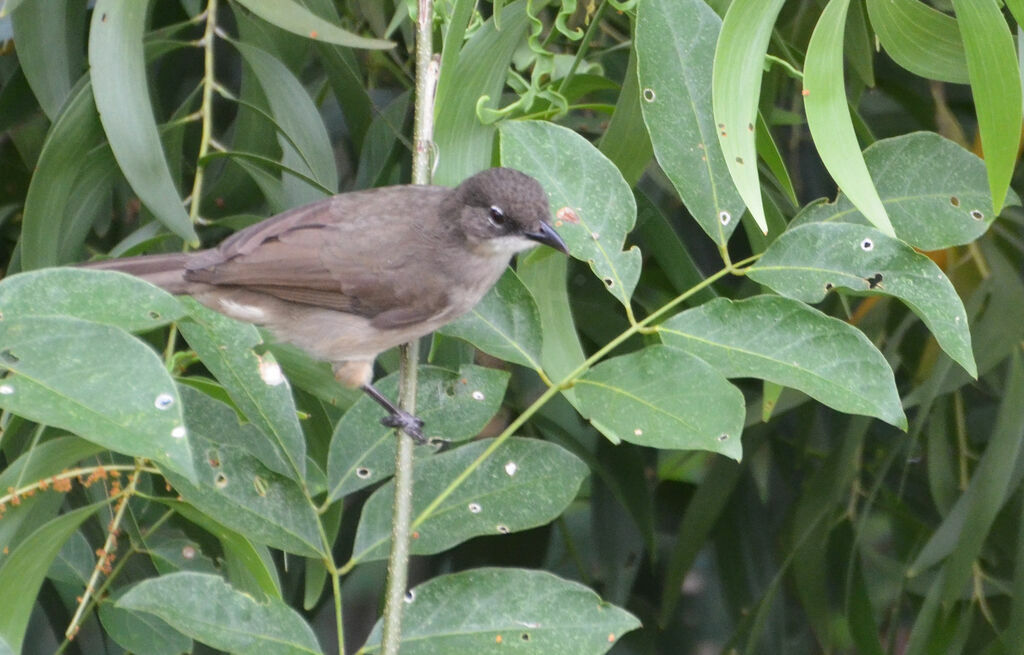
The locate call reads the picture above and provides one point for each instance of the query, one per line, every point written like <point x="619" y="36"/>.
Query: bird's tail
<point x="165" y="271"/>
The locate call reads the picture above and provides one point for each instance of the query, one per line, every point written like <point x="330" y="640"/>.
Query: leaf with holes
<point x="505" y="323"/>
<point x="235" y="488"/>
<point x="96" y="381"/>
<point x="208" y="609"/>
<point x="594" y="206"/>
<point x="785" y="341"/>
<point x="453" y="406"/>
<point x="523" y="484"/>
<point x="675" y="48"/>
<point x="98" y="296"/>
<point x="492" y="610"/>
<point x="935" y="192"/>
<point x="665" y="398"/>
<point x="807" y="262"/>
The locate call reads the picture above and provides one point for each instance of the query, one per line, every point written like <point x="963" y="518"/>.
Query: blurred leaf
<point x="453" y="406"/>
<point x="490" y="610"/>
<point x="210" y="610"/>
<point x="524" y="483"/>
<point x="675" y="56"/>
<point x="380" y="141"/>
<point x="235" y="488"/>
<point x="935" y="192"/>
<point x="789" y="343"/>
<point x="807" y="262"/>
<point x="297" y="19"/>
<point x="117" y="66"/>
<point x="996" y="86"/>
<point x="663" y="397"/>
<point x="255" y="383"/>
<point x="600" y="200"/>
<point x="505" y="324"/>
<point x="736" y="88"/>
<point x="25" y="570"/>
<point x="48" y="34"/>
<point x="920" y="38"/>
<point x="106" y="297"/>
<point x="96" y="381"/>
<point x="828" y="116"/>
<point x="626" y="142"/>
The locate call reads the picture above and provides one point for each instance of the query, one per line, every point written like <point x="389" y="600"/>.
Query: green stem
<point x="206" y="107"/>
<point x="584" y="44"/>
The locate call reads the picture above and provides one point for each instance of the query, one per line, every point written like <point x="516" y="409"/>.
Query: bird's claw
<point x="407" y="423"/>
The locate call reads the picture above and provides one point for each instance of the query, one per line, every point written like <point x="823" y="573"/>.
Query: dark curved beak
<point x="547" y="235"/>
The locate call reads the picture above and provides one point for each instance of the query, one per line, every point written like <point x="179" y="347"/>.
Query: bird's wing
<point x="325" y="255"/>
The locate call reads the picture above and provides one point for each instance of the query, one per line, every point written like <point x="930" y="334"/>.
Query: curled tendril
<point x="566" y="12"/>
<point x="536" y="29"/>
<point x="623" y="5"/>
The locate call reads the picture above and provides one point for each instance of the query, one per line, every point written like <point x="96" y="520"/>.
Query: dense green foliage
<point x="741" y="417"/>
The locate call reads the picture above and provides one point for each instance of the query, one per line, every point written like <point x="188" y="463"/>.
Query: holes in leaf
<point x="874" y="281"/>
<point x="724" y="217"/>
<point x="511" y="468"/>
<point x="7" y="357"/>
<point x="410" y="596"/>
<point x="867" y="245"/>
<point x="525" y="636"/>
<point x="977" y="215"/>
<point x="829" y="286"/>
<point x="363" y="473"/>
<point x="475" y="508"/>
<point x="179" y="432"/>
<point x="154" y="315"/>
<point x="163" y="401"/>
<point x="723" y="437"/>
<point x="503" y="529"/>
<point x="6" y="389"/>
<point x="213" y="458"/>
<point x="648" y="94"/>
<point x="478" y="395"/>
<point x="220" y="480"/>
<point x="608" y="282"/>
<point x="953" y="200"/>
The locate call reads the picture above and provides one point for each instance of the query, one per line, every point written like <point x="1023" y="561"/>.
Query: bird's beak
<point x="547" y="235"/>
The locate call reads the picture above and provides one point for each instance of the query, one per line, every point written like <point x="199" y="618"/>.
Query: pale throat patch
<point x="506" y="245"/>
<point x="242" y="312"/>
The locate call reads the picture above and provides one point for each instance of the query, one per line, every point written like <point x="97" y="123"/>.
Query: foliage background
<point x="834" y="532"/>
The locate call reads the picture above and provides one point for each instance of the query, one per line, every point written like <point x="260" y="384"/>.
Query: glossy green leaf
<point x="297" y="19"/>
<point x="663" y="397"/>
<point x="675" y="57"/>
<point x="523" y="484"/>
<point x="118" y="72"/>
<point x="505" y="324"/>
<point x="935" y="192"/>
<point x="254" y="382"/>
<point x="208" y="609"/>
<point x="99" y="296"/>
<point x="807" y="262"/>
<point x="465" y="145"/>
<point x="920" y="38"/>
<point x="996" y="86"/>
<point x="235" y="488"/>
<point x="453" y="406"/>
<point x="48" y="34"/>
<point x="96" y="381"/>
<point x="492" y="610"/>
<point x="25" y="570"/>
<point x="581" y="181"/>
<point x="785" y="341"/>
<point x="828" y="116"/>
<point x="736" y="89"/>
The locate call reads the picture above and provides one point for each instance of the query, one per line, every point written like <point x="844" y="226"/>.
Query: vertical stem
<point x="423" y="134"/>
<point x="206" y="107"/>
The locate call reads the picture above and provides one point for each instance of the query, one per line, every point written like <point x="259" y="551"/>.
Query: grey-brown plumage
<point x="350" y="276"/>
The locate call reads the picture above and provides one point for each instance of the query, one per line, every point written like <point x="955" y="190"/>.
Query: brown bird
<point x="350" y="276"/>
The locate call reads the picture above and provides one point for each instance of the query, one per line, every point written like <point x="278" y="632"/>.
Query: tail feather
<point x="165" y="271"/>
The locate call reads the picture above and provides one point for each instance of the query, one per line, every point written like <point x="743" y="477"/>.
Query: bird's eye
<point x="497" y="216"/>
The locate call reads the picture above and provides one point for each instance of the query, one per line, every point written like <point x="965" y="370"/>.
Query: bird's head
<point x="503" y="211"/>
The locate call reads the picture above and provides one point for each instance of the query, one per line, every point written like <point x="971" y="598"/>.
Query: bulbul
<point x="350" y="276"/>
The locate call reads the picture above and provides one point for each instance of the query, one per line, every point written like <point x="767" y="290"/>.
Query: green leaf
<point x="935" y="192"/>
<point x="48" y="34"/>
<point x="626" y="142"/>
<point x="96" y="381"/>
<point x="106" y="297"/>
<point x="254" y="382"/>
<point x="453" y="406"/>
<point x="23" y="573"/>
<point x="479" y="71"/>
<point x="995" y="84"/>
<point x="524" y="483"/>
<point x="505" y="324"/>
<point x="297" y="19"/>
<point x="736" y="89"/>
<point x="118" y="71"/>
<point x="787" y="342"/>
<point x="675" y="56"/>
<point x="807" y="262"/>
<point x="666" y="398"/>
<point x="920" y="38"/>
<point x="208" y="609"/>
<point x="491" y="610"/>
<point x="828" y="116"/>
<point x="235" y="488"/>
<point x="140" y="632"/>
<point x="580" y="180"/>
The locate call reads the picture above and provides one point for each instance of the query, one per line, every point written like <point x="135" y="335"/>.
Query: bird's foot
<point x="407" y="423"/>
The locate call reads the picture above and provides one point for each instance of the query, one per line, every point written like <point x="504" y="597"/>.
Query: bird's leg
<point x="397" y="417"/>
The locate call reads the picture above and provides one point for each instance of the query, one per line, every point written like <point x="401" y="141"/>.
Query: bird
<point x="352" y="275"/>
